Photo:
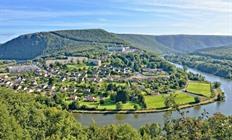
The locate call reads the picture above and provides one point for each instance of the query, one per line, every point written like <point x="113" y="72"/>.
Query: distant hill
<point x="30" y="46"/>
<point x="190" y="43"/>
<point x="35" y="45"/>
<point x="146" y="42"/>
<point x="176" y="43"/>
<point x="224" y="52"/>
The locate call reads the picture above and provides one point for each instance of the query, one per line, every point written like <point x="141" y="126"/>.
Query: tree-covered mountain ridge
<point x="33" y="45"/>
<point x="30" y="46"/>
<point x="223" y="52"/>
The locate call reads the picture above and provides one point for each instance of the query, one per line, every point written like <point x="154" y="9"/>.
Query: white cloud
<point x="204" y="5"/>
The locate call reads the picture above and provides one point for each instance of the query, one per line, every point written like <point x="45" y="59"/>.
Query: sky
<point x="157" y="17"/>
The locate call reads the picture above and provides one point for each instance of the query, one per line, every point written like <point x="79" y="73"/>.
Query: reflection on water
<point x="138" y="120"/>
<point x="136" y="116"/>
<point x="197" y="108"/>
<point x="120" y="117"/>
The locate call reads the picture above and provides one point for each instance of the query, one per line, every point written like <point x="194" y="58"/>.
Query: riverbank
<point x="194" y="94"/>
<point x="139" y="119"/>
<point x="210" y="100"/>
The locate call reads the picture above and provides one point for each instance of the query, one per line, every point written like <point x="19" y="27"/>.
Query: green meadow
<point x="199" y="88"/>
<point x="158" y="100"/>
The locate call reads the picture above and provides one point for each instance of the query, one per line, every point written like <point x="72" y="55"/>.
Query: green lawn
<point x="76" y="66"/>
<point x="158" y="100"/>
<point x="154" y="101"/>
<point x="89" y="104"/>
<point x="108" y="105"/>
<point x="126" y="106"/>
<point x="200" y="88"/>
<point x="111" y="106"/>
<point x="183" y="98"/>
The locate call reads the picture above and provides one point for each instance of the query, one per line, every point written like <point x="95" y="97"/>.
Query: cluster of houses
<point x="101" y="72"/>
<point x="66" y="60"/>
<point x="20" y="84"/>
<point x="94" y="62"/>
<point x="32" y="86"/>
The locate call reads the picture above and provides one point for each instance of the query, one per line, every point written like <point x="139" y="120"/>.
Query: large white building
<point x="117" y="49"/>
<point x="22" y="68"/>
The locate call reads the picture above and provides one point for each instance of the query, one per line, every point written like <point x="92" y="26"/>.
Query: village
<point x="95" y="83"/>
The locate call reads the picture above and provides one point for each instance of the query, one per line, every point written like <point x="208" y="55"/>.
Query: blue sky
<point x="121" y="16"/>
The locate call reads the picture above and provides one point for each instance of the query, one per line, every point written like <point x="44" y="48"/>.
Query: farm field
<point x="199" y="88"/>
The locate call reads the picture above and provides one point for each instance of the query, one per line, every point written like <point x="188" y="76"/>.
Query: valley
<point x="115" y="70"/>
<point x="109" y="78"/>
<point x="114" y="78"/>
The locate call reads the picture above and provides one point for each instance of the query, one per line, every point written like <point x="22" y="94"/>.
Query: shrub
<point x="217" y="84"/>
<point x="197" y="99"/>
<point x="102" y="102"/>
<point x="136" y="107"/>
<point x="220" y="97"/>
<point x="119" y="105"/>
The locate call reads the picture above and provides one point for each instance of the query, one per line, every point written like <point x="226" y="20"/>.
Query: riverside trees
<point x="22" y="117"/>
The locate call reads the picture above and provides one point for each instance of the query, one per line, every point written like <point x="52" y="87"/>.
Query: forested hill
<point x="190" y="43"/>
<point x="30" y="46"/>
<point x="34" y="45"/>
<point x="224" y="52"/>
<point x="177" y="43"/>
<point x="146" y="42"/>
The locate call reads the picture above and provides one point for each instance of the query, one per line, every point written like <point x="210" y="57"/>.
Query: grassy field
<point x="155" y="101"/>
<point x="108" y="105"/>
<point x="183" y="98"/>
<point x="158" y="101"/>
<point x="199" y="88"/>
<point x="89" y="104"/>
<point x="112" y="106"/>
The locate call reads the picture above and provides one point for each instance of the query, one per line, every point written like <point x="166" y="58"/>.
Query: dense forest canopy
<point x="218" y="67"/>
<point x="224" y="52"/>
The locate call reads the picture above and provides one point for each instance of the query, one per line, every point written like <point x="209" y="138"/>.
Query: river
<point x="137" y="120"/>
